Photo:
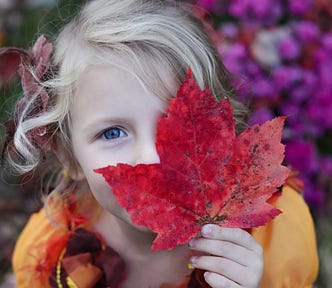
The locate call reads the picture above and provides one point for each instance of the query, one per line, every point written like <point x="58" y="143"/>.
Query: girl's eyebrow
<point x="101" y="123"/>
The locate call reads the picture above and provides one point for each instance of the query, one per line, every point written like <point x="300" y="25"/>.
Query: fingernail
<point x="192" y="243"/>
<point x="207" y="230"/>
<point x="193" y="260"/>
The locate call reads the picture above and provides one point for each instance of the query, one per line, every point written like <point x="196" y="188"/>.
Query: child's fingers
<point x="224" y="249"/>
<point x="232" y="253"/>
<point x="234" y="235"/>
<point x="216" y="280"/>
<point x="233" y="271"/>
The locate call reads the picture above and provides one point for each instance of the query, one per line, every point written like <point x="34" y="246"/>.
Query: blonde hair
<point x="148" y="34"/>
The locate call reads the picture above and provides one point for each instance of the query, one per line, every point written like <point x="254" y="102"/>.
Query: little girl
<point x="96" y="102"/>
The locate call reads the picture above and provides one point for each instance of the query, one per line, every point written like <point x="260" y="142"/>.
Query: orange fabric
<point x="30" y="253"/>
<point x="289" y="243"/>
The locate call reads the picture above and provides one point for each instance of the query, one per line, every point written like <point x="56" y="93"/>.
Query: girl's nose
<point x="146" y="153"/>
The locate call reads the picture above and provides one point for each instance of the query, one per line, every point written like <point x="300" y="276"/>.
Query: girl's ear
<point x="72" y="168"/>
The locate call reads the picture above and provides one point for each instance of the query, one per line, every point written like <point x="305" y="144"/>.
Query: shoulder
<point x="34" y="255"/>
<point x="289" y="243"/>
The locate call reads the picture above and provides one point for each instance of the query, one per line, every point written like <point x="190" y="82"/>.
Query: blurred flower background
<point x="280" y="52"/>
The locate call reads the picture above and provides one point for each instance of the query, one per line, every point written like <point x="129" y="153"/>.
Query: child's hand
<point x="235" y="258"/>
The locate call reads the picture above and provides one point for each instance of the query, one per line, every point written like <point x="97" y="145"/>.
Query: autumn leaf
<point x="206" y="174"/>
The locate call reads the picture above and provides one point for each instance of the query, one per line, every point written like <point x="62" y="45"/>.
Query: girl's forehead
<point x="102" y="83"/>
<point x="156" y="79"/>
<point x="105" y="93"/>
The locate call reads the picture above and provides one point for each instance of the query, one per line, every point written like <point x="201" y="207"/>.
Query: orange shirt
<point x="288" y="241"/>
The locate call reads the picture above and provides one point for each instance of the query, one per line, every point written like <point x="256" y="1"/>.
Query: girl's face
<point x="114" y="120"/>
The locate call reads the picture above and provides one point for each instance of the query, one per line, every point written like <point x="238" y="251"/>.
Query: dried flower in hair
<point x="32" y="68"/>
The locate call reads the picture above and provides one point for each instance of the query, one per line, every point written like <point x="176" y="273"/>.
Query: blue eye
<point x="114" y="133"/>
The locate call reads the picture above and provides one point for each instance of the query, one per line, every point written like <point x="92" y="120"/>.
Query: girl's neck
<point x="122" y="236"/>
<point x="134" y="246"/>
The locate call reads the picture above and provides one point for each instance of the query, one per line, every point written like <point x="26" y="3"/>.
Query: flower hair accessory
<point x="32" y="68"/>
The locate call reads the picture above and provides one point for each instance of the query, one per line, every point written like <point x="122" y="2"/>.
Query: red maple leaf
<point x="206" y="174"/>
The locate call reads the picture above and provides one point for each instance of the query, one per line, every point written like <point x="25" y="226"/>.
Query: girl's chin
<point x="124" y="216"/>
<point x="143" y="229"/>
<point x="137" y="227"/>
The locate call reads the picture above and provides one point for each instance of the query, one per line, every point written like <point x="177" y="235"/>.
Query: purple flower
<point x="325" y="72"/>
<point x="229" y="30"/>
<point x="326" y="165"/>
<point x="302" y="156"/>
<point x="319" y="109"/>
<point x="309" y="80"/>
<point x="285" y="77"/>
<point x="314" y="130"/>
<point x="313" y="194"/>
<point x="252" y="69"/>
<point x="289" y="48"/>
<point x="299" y="94"/>
<point x="295" y="128"/>
<point x="306" y="31"/>
<point x="234" y="57"/>
<point x="238" y="8"/>
<point x="281" y="76"/>
<point x="260" y="116"/>
<point x="299" y="7"/>
<point x="263" y="88"/>
<point x="265" y="11"/>
<point x="290" y="109"/>
<point x="321" y="55"/>
<point x="327" y="41"/>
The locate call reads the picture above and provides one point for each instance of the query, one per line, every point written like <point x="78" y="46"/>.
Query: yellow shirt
<point x="288" y="241"/>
